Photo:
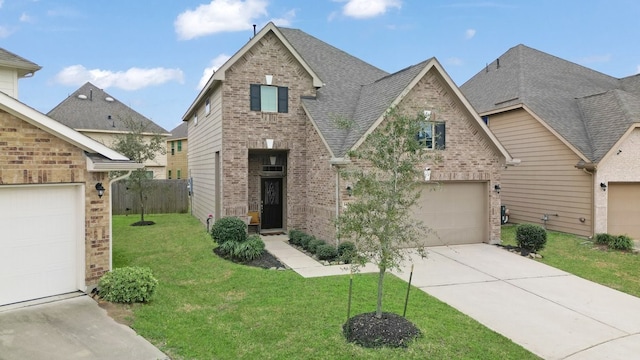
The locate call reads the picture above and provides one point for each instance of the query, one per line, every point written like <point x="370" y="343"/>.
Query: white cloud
<point x="4" y="32"/>
<point x="362" y="9"/>
<point x="1" y="2"/>
<point x="286" y="19"/>
<point x="26" y="18"/>
<point x="132" y="79"/>
<point x="455" y="61"/>
<point x="638" y="69"/>
<point x="470" y="33"/>
<point x="208" y="71"/>
<point x="219" y="16"/>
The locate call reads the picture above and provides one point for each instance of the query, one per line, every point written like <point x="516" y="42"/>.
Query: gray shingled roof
<point x="180" y="131"/>
<point x="91" y="108"/>
<point x="561" y="93"/>
<point x="11" y="60"/>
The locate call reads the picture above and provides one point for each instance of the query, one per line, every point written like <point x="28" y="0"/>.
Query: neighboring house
<point x="56" y="229"/>
<point x="577" y="133"/>
<point x="265" y="135"/>
<point x="100" y="116"/>
<point x="177" y="153"/>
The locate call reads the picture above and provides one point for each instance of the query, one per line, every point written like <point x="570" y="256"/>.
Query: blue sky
<point x="153" y="55"/>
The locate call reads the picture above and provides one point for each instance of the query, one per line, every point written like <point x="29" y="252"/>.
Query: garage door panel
<point x="457" y="212"/>
<point x="623" y="209"/>
<point x="39" y="251"/>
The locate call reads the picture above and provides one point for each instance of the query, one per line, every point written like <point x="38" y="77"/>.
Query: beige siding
<point x="9" y="82"/>
<point x="546" y="181"/>
<point x="205" y="138"/>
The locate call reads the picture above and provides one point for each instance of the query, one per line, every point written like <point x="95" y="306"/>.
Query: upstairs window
<point x="207" y="106"/>
<point x="179" y="145"/>
<point x="267" y="98"/>
<point x="173" y="150"/>
<point x="169" y="174"/>
<point x="432" y="135"/>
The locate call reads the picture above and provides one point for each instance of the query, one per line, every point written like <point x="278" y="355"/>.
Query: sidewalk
<point x="554" y="314"/>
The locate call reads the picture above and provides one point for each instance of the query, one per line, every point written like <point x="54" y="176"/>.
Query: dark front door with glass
<point x="271" y="203"/>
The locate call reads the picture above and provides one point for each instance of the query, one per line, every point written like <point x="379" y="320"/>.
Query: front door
<point x="271" y="203"/>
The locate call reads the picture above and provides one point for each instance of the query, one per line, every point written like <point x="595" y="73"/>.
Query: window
<point x="173" y="151"/>
<point x="432" y="135"/>
<point x="178" y="172"/>
<point x="207" y="106"/>
<point x="169" y="174"/>
<point x="195" y="119"/>
<point x="269" y="98"/>
<point x="179" y="145"/>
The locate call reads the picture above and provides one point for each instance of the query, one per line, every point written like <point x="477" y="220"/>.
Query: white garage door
<point x="457" y="213"/>
<point x="623" y="209"/>
<point x="38" y="241"/>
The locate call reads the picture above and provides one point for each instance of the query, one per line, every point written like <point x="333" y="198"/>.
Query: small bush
<point x="229" y="229"/>
<point x="621" y="242"/>
<point x="251" y="249"/>
<point x="295" y="236"/>
<point x="127" y="285"/>
<point x="604" y="239"/>
<point x="531" y="237"/>
<point x="326" y="252"/>
<point x="304" y="241"/>
<point x="347" y="252"/>
<point x="313" y="245"/>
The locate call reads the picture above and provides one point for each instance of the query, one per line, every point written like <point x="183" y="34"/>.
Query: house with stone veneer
<point x="265" y="135"/>
<point x="56" y="228"/>
<point x="102" y="117"/>
<point x="577" y="132"/>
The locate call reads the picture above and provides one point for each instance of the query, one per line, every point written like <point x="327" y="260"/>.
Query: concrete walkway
<point x="553" y="314"/>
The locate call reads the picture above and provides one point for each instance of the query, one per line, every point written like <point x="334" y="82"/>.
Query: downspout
<point x="111" y="215"/>
<point x="590" y="168"/>
<point x="337" y="163"/>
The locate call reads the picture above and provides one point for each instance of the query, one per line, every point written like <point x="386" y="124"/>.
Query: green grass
<point x="209" y="308"/>
<point x="579" y="256"/>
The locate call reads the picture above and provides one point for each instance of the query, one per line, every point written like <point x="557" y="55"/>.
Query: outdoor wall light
<point x="603" y="186"/>
<point x="100" y="189"/>
<point x="497" y="188"/>
<point x="272" y="159"/>
<point x="349" y="190"/>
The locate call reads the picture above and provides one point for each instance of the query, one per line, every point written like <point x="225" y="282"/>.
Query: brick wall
<point x="29" y="155"/>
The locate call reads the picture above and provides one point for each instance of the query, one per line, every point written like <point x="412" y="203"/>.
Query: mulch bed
<point x="266" y="261"/>
<point x="519" y="250"/>
<point x="390" y="330"/>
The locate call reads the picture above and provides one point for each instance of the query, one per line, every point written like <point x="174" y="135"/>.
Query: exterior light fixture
<point x="427" y="173"/>
<point x="603" y="186"/>
<point x="273" y="159"/>
<point x="497" y="188"/>
<point x="349" y="190"/>
<point x="100" y="189"/>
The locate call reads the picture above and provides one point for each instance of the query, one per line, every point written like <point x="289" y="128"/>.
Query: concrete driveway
<point x="553" y="314"/>
<point x="69" y="329"/>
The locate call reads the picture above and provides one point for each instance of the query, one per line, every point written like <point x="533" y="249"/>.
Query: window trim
<point x="207" y="106"/>
<point x="282" y="98"/>
<point x="438" y="136"/>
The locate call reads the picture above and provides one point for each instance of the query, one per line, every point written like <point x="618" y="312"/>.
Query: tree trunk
<point x="141" y="206"/>
<point x="383" y="270"/>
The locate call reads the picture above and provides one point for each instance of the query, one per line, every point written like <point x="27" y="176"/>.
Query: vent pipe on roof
<point x="254" y="29"/>
<point x="498" y="63"/>
<point x="91" y="94"/>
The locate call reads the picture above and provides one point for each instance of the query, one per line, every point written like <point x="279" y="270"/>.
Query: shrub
<point x="531" y="237"/>
<point x="313" y="245"/>
<point x="251" y="249"/>
<point x="326" y="252"/>
<point x="621" y="242"/>
<point x="604" y="239"/>
<point x="295" y="236"/>
<point x="127" y="285"/>
<point x="304" y="240"/>
<point x="347" y="251"/>
<point x="229" y="229"/>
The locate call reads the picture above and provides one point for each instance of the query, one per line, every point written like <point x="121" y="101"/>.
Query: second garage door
<point x="39" y="243"/>
<point x="623" y="214"/>
<point x="457" y="212"/>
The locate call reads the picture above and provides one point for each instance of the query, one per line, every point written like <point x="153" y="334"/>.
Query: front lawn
<point x="579" y="256"/>
<point x="209" y="308"/>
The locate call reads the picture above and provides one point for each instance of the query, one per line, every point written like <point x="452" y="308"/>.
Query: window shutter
<point x="283" y="99"/>
<point x="254" y="94"/>
<point x="440" y="136"/>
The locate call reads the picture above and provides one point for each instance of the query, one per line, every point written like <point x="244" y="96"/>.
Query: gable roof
<point x="179" y="132"/>
<point x="561" y="94"/>
<point x="108" y="159"/>
<point x="92" y="109"/>
<point x="13" y="61"/>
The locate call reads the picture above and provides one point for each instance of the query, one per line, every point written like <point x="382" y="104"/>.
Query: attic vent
<point x="82" y="97"/>
<point x="109" y="99"/>
<point x="273" y="170"/>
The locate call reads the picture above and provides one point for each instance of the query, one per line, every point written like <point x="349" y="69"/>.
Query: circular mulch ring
<point x="143" y="223"/>
<point x="389" y="330"/>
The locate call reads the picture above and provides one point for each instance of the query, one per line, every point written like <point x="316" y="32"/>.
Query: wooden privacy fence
<point x="163" y="197"/>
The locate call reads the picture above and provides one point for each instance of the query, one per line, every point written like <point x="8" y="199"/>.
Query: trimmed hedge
<point x="295" y="236"/>
<point x="531" y="237"/>
<point x="313" y="245"/>
<point x="229" y="229"/>
<point x="347" y="251"/>
<point x="128" y="285"/>
<point x="326" y="252"/>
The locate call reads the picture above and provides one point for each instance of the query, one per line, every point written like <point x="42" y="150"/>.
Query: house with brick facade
<point x="177" y="147"/>
<point x="100" y="116"/>
<point x="266" y="134"/>
<point x="56" y="223"/>
<point x="577" y="132"/>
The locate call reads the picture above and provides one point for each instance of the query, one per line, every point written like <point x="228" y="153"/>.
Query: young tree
<point x="385" y="174"/>
<point x="139" y="146"/>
